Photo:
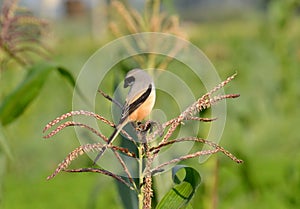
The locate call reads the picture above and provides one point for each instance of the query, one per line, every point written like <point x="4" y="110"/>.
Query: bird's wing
<point x="130" y="108"/>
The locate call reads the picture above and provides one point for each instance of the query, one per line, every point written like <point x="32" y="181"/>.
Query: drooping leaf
<point x="67" y="75"/>
<point x="14" y="104"/>
<point x="183" y="190"/>
<point x="70" y="78"/>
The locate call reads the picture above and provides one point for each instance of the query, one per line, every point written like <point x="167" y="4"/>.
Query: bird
<point x="138" y="104"/>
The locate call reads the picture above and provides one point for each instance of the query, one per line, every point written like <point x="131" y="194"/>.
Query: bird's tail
<point x="110" y="139"/>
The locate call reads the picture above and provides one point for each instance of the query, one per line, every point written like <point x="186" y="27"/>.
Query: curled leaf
<point x="182" y="192"/>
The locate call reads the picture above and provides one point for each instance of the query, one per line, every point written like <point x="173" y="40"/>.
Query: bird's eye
<point x="129" y="81"/>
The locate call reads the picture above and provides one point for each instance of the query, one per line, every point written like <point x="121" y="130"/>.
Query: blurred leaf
<point x="4" y="145"/>
<point x="15" y="103"/>
<point x="67" y="75"/>
<point x="2" y="171"/>
<point x="182" y="192"/>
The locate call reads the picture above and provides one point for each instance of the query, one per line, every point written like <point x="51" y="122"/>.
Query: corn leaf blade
<point x="183" y="190"/>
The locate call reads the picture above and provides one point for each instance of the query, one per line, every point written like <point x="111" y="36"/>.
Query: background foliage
<point x="262" y="125"/>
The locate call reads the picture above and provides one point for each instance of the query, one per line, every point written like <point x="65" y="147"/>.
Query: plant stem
<point x="147" y="186"/>
<point x="141" y="176"/>
<point x="145" y="192"/>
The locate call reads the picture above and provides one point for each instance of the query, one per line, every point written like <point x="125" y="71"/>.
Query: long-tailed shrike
<point x="138" y="104"/>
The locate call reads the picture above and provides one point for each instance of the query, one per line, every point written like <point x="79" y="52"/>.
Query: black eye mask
<point x="129" y="81"/>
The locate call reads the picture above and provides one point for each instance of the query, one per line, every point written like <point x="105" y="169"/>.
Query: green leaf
<point x="128" y="197"/>
<point x="182" y="192"/>
<point x="4" y="146"/>
<point x="3" y="162"/>
<point x="67" y="75"/>
<point x="17" y="101"/>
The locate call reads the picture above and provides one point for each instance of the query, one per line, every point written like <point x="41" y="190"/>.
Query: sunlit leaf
<point x="183" y="190"/>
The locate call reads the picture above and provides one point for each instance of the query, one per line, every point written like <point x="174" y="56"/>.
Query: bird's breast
<point x="144" y="110"/>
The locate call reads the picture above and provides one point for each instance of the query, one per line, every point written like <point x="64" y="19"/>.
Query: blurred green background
<point x="261" y="45"/>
